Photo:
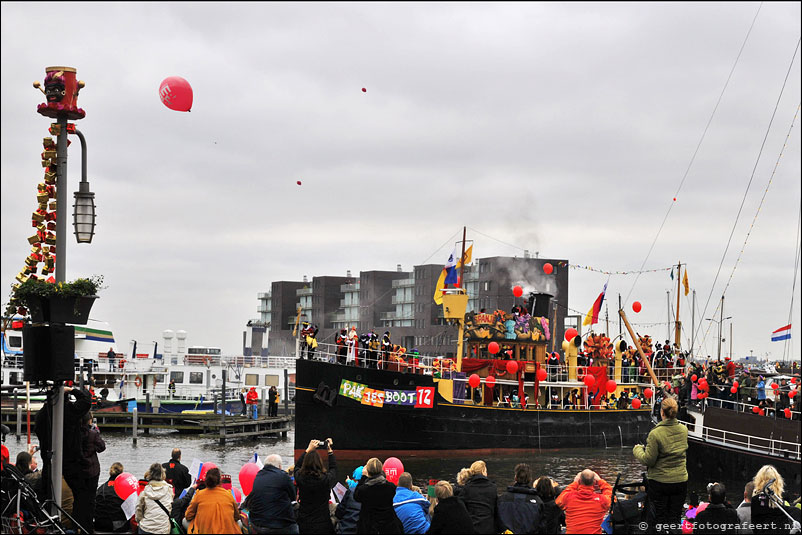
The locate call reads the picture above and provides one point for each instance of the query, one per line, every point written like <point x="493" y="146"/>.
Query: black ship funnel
<point x="539" y="304"/>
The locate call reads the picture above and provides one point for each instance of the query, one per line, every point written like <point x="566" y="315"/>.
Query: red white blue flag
<point x="783" y="333"/>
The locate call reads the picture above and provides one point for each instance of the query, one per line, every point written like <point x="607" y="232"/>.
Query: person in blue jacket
<point x="348" y="509"/>
<point x="761" y="389"/>
<point x="411" y="507"/>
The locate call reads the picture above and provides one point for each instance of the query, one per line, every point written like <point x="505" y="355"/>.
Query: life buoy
<point x="138" y="381"/>
<point x="122" y="363"/>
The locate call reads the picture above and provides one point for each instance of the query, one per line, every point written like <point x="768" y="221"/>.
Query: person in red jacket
<point x="585" y="502"/>
<point x="253" y="399"/>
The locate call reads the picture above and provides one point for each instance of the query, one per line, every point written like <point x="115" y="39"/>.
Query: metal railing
<point x="752" y="442"/>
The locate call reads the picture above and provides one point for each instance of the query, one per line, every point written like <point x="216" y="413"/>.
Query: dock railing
<point x="771" y="446"/>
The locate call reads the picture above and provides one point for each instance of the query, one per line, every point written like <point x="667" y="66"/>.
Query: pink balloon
<point x="246" y="476"/>
<point x="393" y="468"/>
<point x="237" y="494"/>
<point x="205" y="467"/>
<point x="517" y="291"/>
<point x="493" y="347"/>
<point x="474" y="380"/>
<point x="490" y="381"/>
<point x="125" y="484"/>
<point x="176" y="93"/>
<point x="512" y="367"/>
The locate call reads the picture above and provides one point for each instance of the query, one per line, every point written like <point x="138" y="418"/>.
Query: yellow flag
<point x="438" y="289"/>
<point x="685" y="282"/>
<point x="588" y="317"/>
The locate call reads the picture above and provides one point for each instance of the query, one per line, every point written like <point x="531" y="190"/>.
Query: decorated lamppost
<point x="61" y="88"/>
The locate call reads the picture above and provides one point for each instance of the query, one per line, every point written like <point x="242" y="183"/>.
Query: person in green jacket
<point x="664" y="456"/>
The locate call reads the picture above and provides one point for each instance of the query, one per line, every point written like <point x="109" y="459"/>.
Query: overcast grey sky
<point x="563" y="128"/>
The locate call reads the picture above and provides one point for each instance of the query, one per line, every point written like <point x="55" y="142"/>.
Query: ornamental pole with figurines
<point x="61" y="88"/>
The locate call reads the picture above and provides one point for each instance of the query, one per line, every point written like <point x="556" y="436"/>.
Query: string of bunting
<point x="589" y="268"/>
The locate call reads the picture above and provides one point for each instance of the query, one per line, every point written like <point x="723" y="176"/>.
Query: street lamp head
<point x="84" y="214"/>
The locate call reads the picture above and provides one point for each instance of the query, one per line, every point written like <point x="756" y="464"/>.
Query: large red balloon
<point x="393" y="468"/>
<point x="792" y="393"/>
<point x="176" y="93"/>
<point x="694" y="377"/>
<point x="647" y="393"/>
<point x="474" y="380"/>
<point x="512" y="367"/>
<point x="787" y="412"/>
<point x="205" y="467"/>
<point x="547" y="268"/>
<point x="734" y="389"/>
<point x="636" y="403"/>
<point x="493" y="347"/>
<point x="736" y="384"/>
<point x="246" y="476"/>
<point x="490" y="381"/>
<point x="517" y="291"/>
<point x="125" y="484"/>
<point x="611" y="386"/>
<point x="636" y="306"/>
<point x="541" y="374"/>
<point x="589" y="381"/>
<point x="570" y="334"/>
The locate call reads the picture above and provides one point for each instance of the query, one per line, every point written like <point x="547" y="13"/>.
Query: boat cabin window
<point x="15" y="378"/>
<point x="159" y="377"/>
<point x="271" y="380"/>
<point x="196" y="378"/>
<point x="15" y="341"/>
<point x="178" y="377"/>
<point x="251" y="379"/>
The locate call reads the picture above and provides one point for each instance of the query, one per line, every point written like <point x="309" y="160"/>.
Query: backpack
<point x="627" y="515"/>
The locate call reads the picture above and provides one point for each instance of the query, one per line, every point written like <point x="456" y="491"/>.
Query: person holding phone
<point x="314" y="483"/>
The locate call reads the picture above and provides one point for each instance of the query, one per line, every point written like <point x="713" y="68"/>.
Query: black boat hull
<point x="446" y="427"/>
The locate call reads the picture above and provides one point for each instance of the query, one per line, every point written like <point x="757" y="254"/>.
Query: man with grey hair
<point x="585" y="502"/>
<point x="270" y="501"/>
<point x="744" y="510"/>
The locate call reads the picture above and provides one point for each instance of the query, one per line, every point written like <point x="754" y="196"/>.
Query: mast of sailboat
<point x="462" y="262"/>
<point x="677" y="323"/>
<point x="463" y="290"/>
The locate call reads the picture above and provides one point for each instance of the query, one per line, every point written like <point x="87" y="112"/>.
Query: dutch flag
<point x="783" y="333"/>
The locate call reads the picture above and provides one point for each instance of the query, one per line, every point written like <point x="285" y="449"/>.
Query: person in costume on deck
<point x="387" y="346"/>
<point x="351" y="342"/>
<point x="340" y="340"/>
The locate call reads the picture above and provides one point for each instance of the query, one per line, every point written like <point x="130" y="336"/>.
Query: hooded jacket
<point x="664" y="453"/>
<point x="348" y="514"/>
<point x="450" y="516"/>
<point x="584" y="507"/>
<point x="412" y="510"/>
<point x="520" y="508"/>
<point x="481" y="499"/>
<point x="377" y="515"/>
<point x="109" y="515"/>
<point x="149" y="515"/>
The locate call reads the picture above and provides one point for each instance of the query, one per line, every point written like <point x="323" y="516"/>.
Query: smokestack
<point x="306" y="279"/>
<point x="398" y="268"/>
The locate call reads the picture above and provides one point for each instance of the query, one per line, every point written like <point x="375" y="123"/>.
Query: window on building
<point x="271" y="380"/>
<point x="486" y="286"/>
<point x="251" y="379"/>
<point x="196" y="378"/>
<point x="178" y="377"/>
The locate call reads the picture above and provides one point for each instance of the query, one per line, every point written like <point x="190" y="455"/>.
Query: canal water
<point x="561" y="465"/>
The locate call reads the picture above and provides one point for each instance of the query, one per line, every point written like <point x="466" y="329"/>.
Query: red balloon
<point x="393" y="468"/>
<point x="364" y="90"/>
<point x="517" y="291"/>
<point x="694" y="377"/>
<point x="734" y="389"/>
<point x="474" y="380"/>
<point x="493" y="347"/>
<point x="761" y="412"/>
<point x="176" y="93"/>
<point x="548" y="268"/>
<point x="490" y="381"/>
<point x="774" y="386"/>
<point x="755" y="409"/>
<point x="636" y="403"/>
<point x="793" y="380"/>
<point x="298" y="182"/>
<point x="792" y="393"/>
<point x="541" y="374"/>
<point x="570" y="334"/>
<point x="647" y="393"/>
<point x="125" y="484"/>
<point x="589" y="381"/>
<point x="512" y="367"/>
<point x="246" y="476"/>
<point x="611" y="386"/>
<point x="205" y="467"/>
<point x="736" y="384"/>
<point x="636" y="306"/>
<point x="787" y="412"/>
<point x="237" y="494"/>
